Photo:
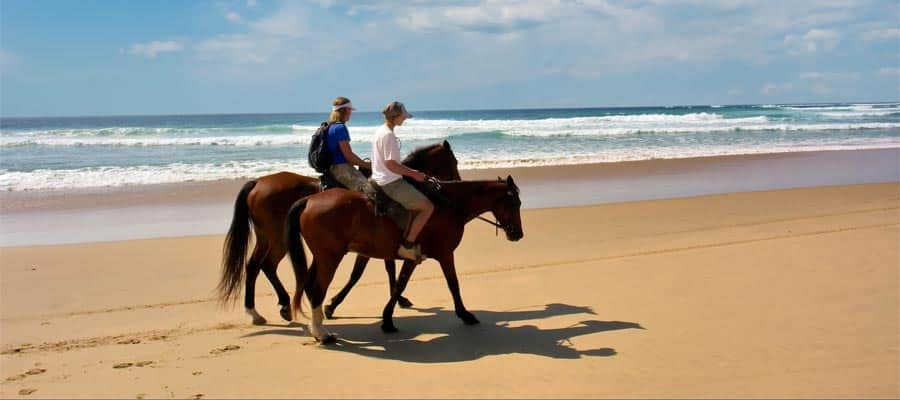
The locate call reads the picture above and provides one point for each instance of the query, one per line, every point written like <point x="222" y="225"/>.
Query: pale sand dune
<point x="788" y="293"/>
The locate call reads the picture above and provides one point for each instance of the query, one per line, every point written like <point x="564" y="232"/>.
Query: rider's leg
<point x="422" y="211"/>
<point x="348" y="176"/>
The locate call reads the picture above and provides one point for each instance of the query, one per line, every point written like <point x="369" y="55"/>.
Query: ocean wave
<point x="117" y="176"/>
<point x="127" y="132"/>
<point x="434" y="130"/>
<point x="113" y="176"/>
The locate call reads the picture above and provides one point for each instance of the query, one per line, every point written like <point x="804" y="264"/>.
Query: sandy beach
<point x="772" y="293"/>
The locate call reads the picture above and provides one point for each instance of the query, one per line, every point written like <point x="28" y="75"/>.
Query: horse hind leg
<point x="270" y="268"/>
<point x="321" y="274"/>
<point x="253" y="268"/>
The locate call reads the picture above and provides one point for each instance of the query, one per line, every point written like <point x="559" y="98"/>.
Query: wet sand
<point x="205" y="208"/>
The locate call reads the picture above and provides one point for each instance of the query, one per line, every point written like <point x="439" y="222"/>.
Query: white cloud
<point x="889" y="71"/>
<point x="881" y="34"/>
<point x="152" y="49"/>
<point x="773" y="89"/>
<point x="490" y="16"/>
<point x="491" y="41"/>
<point x="830" y="76"/>
<point x="233" y="17"/>
<point x="814" y="41"/>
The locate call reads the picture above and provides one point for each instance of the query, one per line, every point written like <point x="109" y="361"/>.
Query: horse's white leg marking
<point x="257" y="319"/>
<point x="315" y="327"/>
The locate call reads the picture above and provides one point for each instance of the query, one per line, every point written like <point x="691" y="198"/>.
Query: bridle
<point x="497" y="226"/>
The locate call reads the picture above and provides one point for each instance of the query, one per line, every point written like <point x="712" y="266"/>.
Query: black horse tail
<point x="294" y="243"/>
<point x="234" y="252"/>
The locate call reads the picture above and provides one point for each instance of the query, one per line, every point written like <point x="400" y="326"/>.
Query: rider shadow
<point x="458" y="342"/>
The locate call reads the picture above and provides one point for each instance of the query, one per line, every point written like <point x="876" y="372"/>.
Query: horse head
<point x="507" y="211"/>
<point x="437" y="158"/>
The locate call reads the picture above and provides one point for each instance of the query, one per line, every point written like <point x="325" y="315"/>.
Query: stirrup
<point x="411" y="254"/>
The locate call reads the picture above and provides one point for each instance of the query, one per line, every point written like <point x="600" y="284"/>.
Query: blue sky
<point x="257" y="56"/>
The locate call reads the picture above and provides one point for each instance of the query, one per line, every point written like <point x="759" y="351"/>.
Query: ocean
<point x="64" y="153"/>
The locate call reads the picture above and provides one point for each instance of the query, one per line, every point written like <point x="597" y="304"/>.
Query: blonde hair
<point x="341" y="114"/>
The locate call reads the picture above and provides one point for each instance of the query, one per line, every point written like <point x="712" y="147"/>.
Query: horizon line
<point x="454" y="110"/>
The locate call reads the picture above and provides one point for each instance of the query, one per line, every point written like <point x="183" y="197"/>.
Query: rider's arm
<point x="351" y="157"/>
<point x="401" y="169"/>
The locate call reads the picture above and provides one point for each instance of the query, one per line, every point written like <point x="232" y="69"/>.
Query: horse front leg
<point x="391" y="268"/>
<point x="358" y="267"/>
<point x="448" y="266"/>
<point x="387" y="316"/>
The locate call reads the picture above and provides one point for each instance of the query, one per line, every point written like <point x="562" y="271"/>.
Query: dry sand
<point x="790" y="293"/>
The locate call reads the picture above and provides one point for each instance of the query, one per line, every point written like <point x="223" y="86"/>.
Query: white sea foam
<point x="436" y="129"/>
<point x="53" y="179"/>
<point x="62" y="179"/>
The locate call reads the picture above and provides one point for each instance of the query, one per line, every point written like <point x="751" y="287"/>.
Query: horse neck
<point x="418" y="158"/>
<point x="473" y="198"/>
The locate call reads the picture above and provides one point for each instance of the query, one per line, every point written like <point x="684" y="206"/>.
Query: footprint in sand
<point x="16" y="377"/>
<point x="33" y="371"/>
<point x="221" y="350"/>
<point x="195" y="373"/>
<point x="134" y="364"/>
<point x="130" y="341"/>
<point x="26" y="392"/>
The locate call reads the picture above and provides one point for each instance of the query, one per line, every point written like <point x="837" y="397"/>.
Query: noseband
<point x="497" y="226"/>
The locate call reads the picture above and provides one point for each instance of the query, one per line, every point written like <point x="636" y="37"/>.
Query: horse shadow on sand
<point x="438" y="336"/>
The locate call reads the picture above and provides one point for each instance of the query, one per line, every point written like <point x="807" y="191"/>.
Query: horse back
<point x="273" y="195"/>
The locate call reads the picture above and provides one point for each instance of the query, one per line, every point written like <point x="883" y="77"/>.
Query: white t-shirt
<point x="385" y="146"/>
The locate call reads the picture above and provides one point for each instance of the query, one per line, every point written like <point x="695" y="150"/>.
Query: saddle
<point x="385" y="205"/>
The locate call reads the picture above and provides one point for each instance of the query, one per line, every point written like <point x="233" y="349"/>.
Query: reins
<point x="496" y="225"/>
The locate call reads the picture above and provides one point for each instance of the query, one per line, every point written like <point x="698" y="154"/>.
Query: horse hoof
<point x="286" y="314"/>
<point x="328" y="339"/>
<point x="259" y="321"/>
<point x="329" y="311"/>
<point x="403" y="302"/>
<point x="388" y="328"/>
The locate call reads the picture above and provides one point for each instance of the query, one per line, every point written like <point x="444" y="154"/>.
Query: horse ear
<point x="446" y="145"/>
<point x="509" y="180"/>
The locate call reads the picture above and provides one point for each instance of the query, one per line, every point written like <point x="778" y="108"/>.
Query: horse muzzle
<point x="514" y="235"/>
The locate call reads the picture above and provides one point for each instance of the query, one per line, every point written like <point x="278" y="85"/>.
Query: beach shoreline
<point x="205" y="208"/>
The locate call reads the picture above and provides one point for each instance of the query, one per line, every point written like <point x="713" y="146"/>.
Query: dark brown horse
<point x="337" y="221"/>
<point x="263" y="204"/>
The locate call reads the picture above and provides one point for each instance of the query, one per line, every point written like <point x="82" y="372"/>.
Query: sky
<point x="69" y="58"/>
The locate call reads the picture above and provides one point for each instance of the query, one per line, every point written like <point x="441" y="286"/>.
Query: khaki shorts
<point x="404" y="193"/>
<point x="348" y="176"/>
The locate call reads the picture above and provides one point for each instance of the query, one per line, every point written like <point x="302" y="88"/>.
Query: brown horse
<point x="263" y="204"/>
<point x="337" y="221"/>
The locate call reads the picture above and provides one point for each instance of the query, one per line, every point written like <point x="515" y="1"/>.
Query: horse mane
<point x="417" y="158"/>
